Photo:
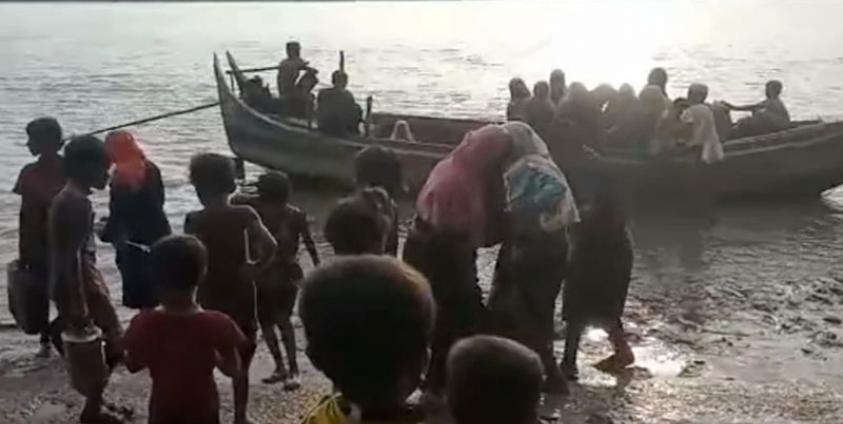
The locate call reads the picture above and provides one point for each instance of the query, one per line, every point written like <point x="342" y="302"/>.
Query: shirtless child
<point x="230" y="233"/>
<point x="77" y="287"/>
<point x="278" y="286"/>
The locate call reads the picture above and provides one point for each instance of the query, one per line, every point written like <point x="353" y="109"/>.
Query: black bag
<point x="28" y="299"/>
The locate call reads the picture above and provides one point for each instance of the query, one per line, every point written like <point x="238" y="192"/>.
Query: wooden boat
<point x="802" y="161"/>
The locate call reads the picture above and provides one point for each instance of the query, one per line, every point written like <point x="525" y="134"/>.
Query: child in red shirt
<point x="181" y="343"/>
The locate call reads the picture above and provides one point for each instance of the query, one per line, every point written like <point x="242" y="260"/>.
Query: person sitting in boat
<point x="557" y="86"/>
<point x="768" y="116"/>
<point x="699" y="129"/>
<point x="256" y="94"/>
<point x="658" y="77"/>
<point x="623" y="103"/>
<point x="539" y="111"/>
<point x="603" y="94"/>
<point x="519" y="94"/>
<point x="637" y="125"/>
<point x="337" y="111"/>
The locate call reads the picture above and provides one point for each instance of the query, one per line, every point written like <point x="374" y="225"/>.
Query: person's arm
<point x="133" y="346"/>
<point x="68" y="251"/>
<point x="745" y="108"/>
<point x="228" y="362"/>
<point x="307" y="239"/>
<point x="262" y="240"/>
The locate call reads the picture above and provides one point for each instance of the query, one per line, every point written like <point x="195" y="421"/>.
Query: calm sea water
<point x="95" y="64"/>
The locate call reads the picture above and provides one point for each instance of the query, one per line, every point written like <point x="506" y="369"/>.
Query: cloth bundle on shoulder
<point x="538" y="196"/>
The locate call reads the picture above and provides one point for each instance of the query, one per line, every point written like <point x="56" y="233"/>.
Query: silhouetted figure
<point x="336" y="110"/>
<point x="769" y="115"/>
<point x="519" y="94"/>
<point x="539" y="110"/>
<point x="558" y="86"/>
<point x="658" y="77"/>
<point x="136" y="217"/>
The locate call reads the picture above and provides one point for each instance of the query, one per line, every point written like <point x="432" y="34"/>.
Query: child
<point x="360" y="224"/>
<point x="596" y="289"/>
<point x="379" y="167"/>
<point x="77" y="287"/>
<point x="229" y="232"/>
<point x="180" y="343"/>
<point x="493" y="380"/>
<point x="368" y="322"/>
<point x="278" y="285"/>
<point x="37" y="184"/>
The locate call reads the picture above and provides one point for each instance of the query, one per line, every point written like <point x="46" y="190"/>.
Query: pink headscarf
<point x="466" y="187"/>
<point x="128" y="159"/>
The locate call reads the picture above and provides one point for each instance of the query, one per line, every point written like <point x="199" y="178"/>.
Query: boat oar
<point x="150" y="119"/>
<point x="342" y="61"/>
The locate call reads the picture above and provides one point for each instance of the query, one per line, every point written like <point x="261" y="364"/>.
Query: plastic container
<point x="28" y="300"/>
<point x="85" y="356"/>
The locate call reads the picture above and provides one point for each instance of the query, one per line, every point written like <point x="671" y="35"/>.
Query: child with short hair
<point x="181" y="343"/>
<point x="379" y="167"/>
<point x="360" y="223"/>
<point x="493" y="380"/>
<point x="230" y="233"/>
<point x="37" y="184"/>
<point x="278" y="286"/>
<point x="368" y="322"/>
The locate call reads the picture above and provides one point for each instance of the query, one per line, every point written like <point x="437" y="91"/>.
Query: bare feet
<point x="276" y="377"/>
<point x="293" y="383"/>
<point x="44" y="351"/>
<point x="615" y="363"/>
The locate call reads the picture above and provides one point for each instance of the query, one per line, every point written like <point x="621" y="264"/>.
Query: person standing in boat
<point x="336" y="110"/>
<point x="519" y="94"/>
<point x="558" y="87"/>
<point x="768" y="116"/>
<point x="698" y="126"/>
<point x="539" y="110"/>
<point x="136" y="217"/>
<point x="76" y="285"/>
<point x="37" y="184"/>
<point x="289" y="70"/>
<point x="658" y="77"/>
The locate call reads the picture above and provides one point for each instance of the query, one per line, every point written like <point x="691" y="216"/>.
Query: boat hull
<point x="804" y="161"/>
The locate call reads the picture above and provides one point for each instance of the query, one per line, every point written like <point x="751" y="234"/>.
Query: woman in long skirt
<point x="137" y="219"/>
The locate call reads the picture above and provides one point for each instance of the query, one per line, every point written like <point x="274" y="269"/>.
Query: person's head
<point x="626" y="93"/>
<point x="658" y="77"/>
<point x="368" y="322"/>
<point x="293" y="49"/>
<point x="680" y="104"/>
<point x="212" y="175"/>
<point x="697" y="93"/>
<point x="377" y="166"/>
<point x="178" y="264"/>
<point x="557" y="84"/>
<point x="128" y="159"/>
<point x="339" y="79"/>
<point x="493" y="380"/>
<point x="43" y="136"/>
<point x="274" y="186"/>
<point x="541" y="90"/>
<point x="86" y="162"/>
<point x="518" y="89"/>
<point x="357" y="225"/>
<point x="773" y="89"/>
<point x="604" y="93"/>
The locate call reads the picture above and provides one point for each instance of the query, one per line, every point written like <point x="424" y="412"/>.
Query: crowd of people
<point x="380" y="328"/>
<point x="649" y="123"/>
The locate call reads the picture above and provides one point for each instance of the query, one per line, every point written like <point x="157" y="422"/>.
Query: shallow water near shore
<point x="734" y="314"/>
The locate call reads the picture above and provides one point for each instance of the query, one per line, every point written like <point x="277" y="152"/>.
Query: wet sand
<point x="719" y="355"/>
